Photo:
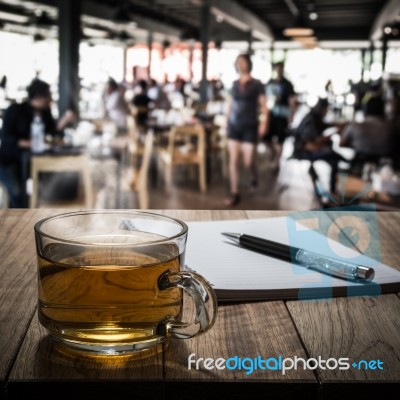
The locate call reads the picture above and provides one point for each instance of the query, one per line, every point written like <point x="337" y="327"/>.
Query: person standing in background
<point x="282" y="106"/>
<point x="247" y="122"/>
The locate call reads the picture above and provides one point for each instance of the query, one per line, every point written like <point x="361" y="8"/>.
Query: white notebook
<point x="239" y="274"/>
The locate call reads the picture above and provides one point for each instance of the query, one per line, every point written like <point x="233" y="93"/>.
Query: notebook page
<point x="230" y="267"/>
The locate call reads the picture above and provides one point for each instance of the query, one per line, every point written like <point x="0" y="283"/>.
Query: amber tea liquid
<point x="99" y="296"/>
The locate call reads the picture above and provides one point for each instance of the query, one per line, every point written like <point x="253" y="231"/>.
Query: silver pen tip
<point x="365" y="273"/>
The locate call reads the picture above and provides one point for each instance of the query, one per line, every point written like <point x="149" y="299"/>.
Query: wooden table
<point x="382" y="201"/>
<point x="355" y="327"/>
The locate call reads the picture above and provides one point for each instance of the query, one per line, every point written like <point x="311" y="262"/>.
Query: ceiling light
<point x="220" y="18"/>
<point x="21" y="19"/>
<point x="298" y="28"/>
<point x="387" y="30"/>
<point x="299" y="31"/>
<point x="312" y="13"/>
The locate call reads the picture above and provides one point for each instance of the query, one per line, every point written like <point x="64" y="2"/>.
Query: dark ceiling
<point x="336" y="19"/>
<point x="331" y="19"/>
<point x="176" y="13"/>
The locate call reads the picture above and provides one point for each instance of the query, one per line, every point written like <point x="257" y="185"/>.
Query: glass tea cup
<point x="112" y="282"/>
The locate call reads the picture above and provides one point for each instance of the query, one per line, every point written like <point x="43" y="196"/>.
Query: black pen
<point x="305" y="258"/>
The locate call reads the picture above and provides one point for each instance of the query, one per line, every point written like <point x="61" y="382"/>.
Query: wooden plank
<point x="42" y="359"/>
<point x="247" y="330"/>
<point x="359" y="328"/>
<point x="389" y="227"/>
<point x="17" y="281"/>
<point x="389" y="233"/>
<point x="243" y="330"/>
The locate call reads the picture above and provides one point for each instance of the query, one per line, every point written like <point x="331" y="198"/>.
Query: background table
<point x="355" y="327"/>
<point x="382" y="201"/>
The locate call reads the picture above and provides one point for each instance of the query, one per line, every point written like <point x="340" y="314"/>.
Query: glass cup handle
<point x="204" y="299"/>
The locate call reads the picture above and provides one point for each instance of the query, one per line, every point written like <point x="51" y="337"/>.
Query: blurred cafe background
<point x="199" y="104"/>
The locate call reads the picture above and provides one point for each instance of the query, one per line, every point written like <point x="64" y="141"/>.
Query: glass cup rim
<point x="38" y="227"/>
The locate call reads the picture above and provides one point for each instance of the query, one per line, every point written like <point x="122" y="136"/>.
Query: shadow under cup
<point x="111" y="282"/>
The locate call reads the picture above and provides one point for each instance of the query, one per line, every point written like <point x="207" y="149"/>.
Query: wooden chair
<point x="57" y="164"/>
<point x="140" y="178"/>
<point x="182" y="151"/>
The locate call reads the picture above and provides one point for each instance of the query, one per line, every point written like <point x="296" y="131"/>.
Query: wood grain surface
<point x="18" y="282"/>
<point x="43" y="359"/>
<point x="246" y="330"/>
<point x="357" y="327"/>
<point x="364" y="328"/>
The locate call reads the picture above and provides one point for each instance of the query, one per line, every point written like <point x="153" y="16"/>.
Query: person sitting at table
<point x="311" y="144"/>
<point x="374" y="137"/>
<point x="158" y="96"/>
<point x="15" y="140"/>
